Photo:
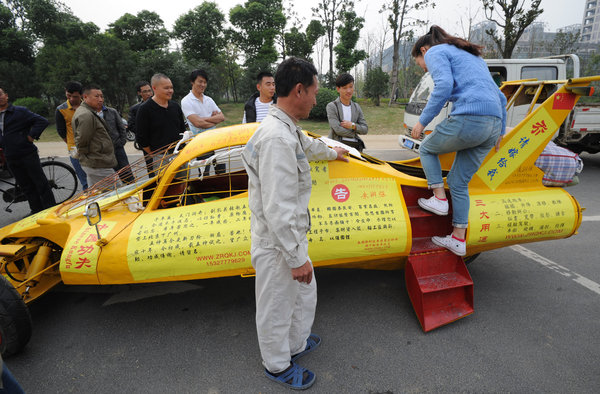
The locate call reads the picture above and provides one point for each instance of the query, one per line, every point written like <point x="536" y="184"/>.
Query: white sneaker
<point x="455" y="246"/>
<point x="434" y="204"/>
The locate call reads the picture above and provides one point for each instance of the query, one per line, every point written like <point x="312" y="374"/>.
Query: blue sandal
<point x="312" y="343"/>
<point x="294" y="377"/>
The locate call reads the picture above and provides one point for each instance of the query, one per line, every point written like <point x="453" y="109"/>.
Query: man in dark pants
<point x="116" y="130"/>
<point x="144" y="92"/>
<point x="19" y="128"/>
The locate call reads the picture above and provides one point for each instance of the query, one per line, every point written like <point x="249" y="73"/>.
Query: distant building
<point x="590" y="29"/>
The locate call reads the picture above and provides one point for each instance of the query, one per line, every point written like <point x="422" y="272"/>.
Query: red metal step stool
<point x="440" y="288"/>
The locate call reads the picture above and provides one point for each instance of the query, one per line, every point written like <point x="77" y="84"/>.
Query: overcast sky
<point x="447" y="13"/>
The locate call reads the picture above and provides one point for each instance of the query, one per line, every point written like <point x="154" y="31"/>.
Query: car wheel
<point x="15" y="320"/>
<point x="130" y="135"/>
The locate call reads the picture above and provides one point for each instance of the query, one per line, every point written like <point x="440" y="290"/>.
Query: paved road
<point x="535" y="329"/>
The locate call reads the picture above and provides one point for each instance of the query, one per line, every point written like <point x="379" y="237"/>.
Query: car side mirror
<point x="93" y="216"/>
<point x="92" y="213"/>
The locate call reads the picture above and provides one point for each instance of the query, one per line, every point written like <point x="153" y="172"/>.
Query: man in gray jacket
<point x="345" y="117"/>
<point x="92" y="139"/>
<point x="279" y="185"/>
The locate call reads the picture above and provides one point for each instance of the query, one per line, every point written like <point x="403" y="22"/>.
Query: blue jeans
<point x="81" y="175"/>
<point x="471" y="137"/>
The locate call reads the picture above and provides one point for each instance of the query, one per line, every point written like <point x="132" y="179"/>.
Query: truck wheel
<point x="15" y="320"/>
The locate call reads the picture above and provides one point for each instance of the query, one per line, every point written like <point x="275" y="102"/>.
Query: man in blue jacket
<point x="19" y="128"/>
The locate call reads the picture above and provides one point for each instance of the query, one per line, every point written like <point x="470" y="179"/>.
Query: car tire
<point x="15" y="320"/>
<point x="130" y="135"/>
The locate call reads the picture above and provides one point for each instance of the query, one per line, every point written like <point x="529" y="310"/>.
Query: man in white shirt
<point x="257" y="107"/>
<point x="200" y="111"/>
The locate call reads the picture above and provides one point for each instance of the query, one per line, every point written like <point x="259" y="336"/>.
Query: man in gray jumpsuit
<point x="279" y="185"/>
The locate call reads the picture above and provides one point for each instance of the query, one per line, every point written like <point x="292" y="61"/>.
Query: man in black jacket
<point x="19" y="128"/>
<point x="257" y="107"/>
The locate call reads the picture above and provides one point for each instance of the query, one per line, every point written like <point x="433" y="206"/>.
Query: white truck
<point x="580" y="132"/>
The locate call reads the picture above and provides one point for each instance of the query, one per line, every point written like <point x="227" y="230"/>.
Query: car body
<point x="188" y="218"/>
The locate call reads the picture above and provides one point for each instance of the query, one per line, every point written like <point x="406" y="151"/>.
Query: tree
<point x="301" y="44"/>
<point x="258" y="22"/>
<point x="349" y="31"/>
<point x="144" y="31"/>
<point x="15" y="45"/>
<point x="101" y="59"/>
<point x="376" y="84"/>
<point x="328" y="12"/>
<point x="50" y="21"/>
<point x="398" y="20"/>
<point x="297" y="44"/>
<point x="201" y="32"/>
<point x="512" y="18"/>
<point x="564" y="42"/>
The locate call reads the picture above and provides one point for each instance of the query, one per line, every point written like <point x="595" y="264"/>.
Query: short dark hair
<point x="292" y="71"/>
<point x="343" y="80"/>
<point x="73" y="86"/>
<point x="156" y="77"/>
<point x="263" y="74"/>
<point x="140" y="85"/>
<point x="89" y="87"/>
<point x="198" y="73"/>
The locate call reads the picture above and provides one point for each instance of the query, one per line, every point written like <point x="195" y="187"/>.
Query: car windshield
<point x="211" y="175"/>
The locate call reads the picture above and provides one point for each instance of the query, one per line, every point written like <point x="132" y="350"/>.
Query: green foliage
<point x="376" y="84"/>
<point x="15" y="45"/>
<point x="349" y="31"/>
<point x="201" y="32"/>
<point x="314" y="31"/>
<point x="297" y="44"/>
<point x="34" y="104"/>
<point x="144" y="31"/>
<point x="18" y="79"/>
<point x="101" y="59"/>
<point x="328" y="12"/>
<point x="513" y="18"/>
<point x="324" y="97"/>
<point x="258" y="22"/>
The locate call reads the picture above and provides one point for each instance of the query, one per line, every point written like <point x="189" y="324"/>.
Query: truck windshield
<point x="423" y="90"/>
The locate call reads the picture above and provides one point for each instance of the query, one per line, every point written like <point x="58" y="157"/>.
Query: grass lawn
<point x="381" y="120"/>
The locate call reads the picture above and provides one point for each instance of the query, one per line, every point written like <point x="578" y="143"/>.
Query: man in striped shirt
<point x="257" y="107"/>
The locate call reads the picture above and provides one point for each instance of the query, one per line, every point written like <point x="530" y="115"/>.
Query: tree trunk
<point x="397" y="34"/>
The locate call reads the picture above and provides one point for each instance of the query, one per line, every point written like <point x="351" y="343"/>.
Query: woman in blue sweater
<point x="475" y="125"/>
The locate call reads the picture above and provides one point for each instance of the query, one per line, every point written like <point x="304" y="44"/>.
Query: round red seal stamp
<point x="340" y="193"/>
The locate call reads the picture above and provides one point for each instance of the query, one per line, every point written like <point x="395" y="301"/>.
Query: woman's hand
<point x="417" y="130"/>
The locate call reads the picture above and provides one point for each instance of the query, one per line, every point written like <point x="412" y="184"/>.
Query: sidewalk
<point x="373" y="142"/>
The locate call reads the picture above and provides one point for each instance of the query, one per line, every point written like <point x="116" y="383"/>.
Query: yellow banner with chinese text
<point x="521" y="145"/>
<point x="496" y="218"/>
<point x="351" y="217"/>
<point x="81" y="252"/>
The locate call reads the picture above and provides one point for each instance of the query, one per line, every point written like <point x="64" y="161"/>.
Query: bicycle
<point x="61" y="178"/>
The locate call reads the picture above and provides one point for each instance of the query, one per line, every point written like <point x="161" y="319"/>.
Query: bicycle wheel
<point x="62" y="179"/>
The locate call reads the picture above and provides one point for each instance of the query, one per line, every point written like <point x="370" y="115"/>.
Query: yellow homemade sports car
<point x="188" y="218"/>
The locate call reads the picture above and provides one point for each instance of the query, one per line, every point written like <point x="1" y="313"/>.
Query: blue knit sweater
<point x="463" y="79"/>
